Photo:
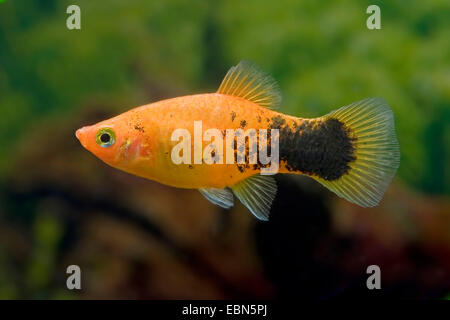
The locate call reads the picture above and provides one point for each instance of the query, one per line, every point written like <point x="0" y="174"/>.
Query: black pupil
<point x="105" y="138"/>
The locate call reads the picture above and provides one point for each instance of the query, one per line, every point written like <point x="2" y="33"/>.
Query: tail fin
<point x="376" y="149"/>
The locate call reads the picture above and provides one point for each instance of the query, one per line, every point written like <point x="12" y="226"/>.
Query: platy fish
<point x="353" y="151"/>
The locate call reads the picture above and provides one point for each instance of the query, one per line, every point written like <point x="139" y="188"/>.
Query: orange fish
<point x="211" y="142"/>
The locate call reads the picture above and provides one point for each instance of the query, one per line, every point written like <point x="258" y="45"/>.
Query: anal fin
<point x="257" y="194"/>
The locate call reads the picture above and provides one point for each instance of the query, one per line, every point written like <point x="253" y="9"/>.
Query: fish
<point x="353" y="151"/>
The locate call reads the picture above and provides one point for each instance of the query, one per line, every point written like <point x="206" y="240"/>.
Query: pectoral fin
<point x="220" y="197"/>
<point x="257" y="193"/>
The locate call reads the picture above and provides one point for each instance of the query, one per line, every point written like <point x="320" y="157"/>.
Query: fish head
<point x="117" y="142"/>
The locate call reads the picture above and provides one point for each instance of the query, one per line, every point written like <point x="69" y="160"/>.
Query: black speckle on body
<point x="139" y="128"/>
<point x="277" y="122"/>
<point x="322" y="148"/>
<point x="243" y="124"/>
<point x="244" y="150"/>
<point x="233" y="115"/>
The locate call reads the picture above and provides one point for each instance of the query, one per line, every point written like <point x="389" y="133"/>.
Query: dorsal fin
<point x="247" y="81"/>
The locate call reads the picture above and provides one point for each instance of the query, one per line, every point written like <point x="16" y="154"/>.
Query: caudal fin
<point x="376" y="151"/>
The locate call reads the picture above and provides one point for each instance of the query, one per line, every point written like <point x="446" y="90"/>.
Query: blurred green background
<point x="60" y="206"/>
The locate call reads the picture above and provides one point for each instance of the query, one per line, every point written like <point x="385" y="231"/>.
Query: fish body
<point x="146" y="150"/>
<point x="353" y="151"/>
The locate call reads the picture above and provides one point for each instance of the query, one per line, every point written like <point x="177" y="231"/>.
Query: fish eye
<point x="105" y="137"/>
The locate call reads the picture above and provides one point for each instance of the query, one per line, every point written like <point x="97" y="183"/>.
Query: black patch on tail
<point x="315" y="147"/>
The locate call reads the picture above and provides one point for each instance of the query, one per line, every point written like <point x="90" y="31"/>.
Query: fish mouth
<point x="80" y="134"/>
